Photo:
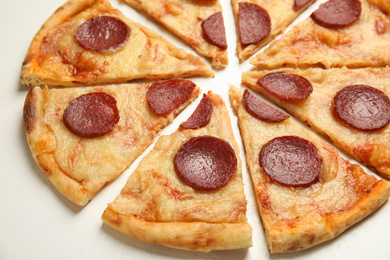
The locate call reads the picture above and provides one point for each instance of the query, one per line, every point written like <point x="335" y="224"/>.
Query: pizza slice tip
<point x="187" y="193"/>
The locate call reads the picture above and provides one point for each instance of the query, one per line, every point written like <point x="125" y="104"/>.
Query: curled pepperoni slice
<point x="102" y="33"/>
<point x="91" y="115"/>
<point x="291" y="161"/>
<point x="254" y="23"/>
<point x="299" y="4"/>
<point x="214" y="30"/>
<point x="337" y="13"/>
<point x="164" y="96"/>
<point x="286" y="86"/>
<point x="205" y="163"/>
<point x="201" y="115"/>
<point x="261" y="110"/>
<point x="362" y="107"/>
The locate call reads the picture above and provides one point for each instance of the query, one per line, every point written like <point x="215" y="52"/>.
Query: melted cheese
<point x="155" y="193"/>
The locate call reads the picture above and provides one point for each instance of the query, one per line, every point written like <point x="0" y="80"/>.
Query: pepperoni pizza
<point x="306" y="192"/>
<point x="199" y="23"/>
<point x="188" y="192"/>
<point x="259" y="22"/>
<point x="88" y="42"/>
<point x="352" y="33"/>
<point x="85" y="138"/>
<point x="351" y="107"/>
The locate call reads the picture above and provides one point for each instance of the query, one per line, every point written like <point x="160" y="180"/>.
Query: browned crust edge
<point x="194" y="236"/>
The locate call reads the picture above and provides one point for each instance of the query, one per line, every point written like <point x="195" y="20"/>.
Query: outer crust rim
<point x="194" y="236"/>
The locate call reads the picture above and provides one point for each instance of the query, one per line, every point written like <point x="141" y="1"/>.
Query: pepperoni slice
<point x="254" y="23"/>
<point x="201" y="116"/>
<point x="102" y="33"/>
<point x="214" y="30"/>
<point x="91" y="115"/>
<point x="291" y="161"/>
<point x="337" y="13"/>
<point x="286" y="86"/>
<point x="362" y="107"/>
<point x="261" y="110"/>
<point x="299" y="4"/>
<point x="164" y="96"/>
<point x="205" y="163"/>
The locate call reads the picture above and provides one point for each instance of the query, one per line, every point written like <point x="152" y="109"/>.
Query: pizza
<point x="87" y="124"/>
<point x="259" y="22"/>
<point x="199" y="23"/>
<point x="348" y="106"/>
<point x="306" y="192"/>
<point x="352" y="33"/>
<point x="187" y="192"/>
<point x="88" y="42"/>
<point x="83" y="139"/>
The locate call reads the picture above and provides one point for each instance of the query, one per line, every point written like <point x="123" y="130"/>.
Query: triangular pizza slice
<point x="199" y="23"/>
<point x="352" y="33"/>
<point x="85" y="138"/>
<point x="351" y="107"/>
<point x="88" y="42"/>
<point x="187" y="193"/>
<point x="306" y="192"/>
<point x="259" y="22"/>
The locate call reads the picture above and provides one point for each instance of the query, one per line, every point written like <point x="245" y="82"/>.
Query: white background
<point x="36" y="222"/>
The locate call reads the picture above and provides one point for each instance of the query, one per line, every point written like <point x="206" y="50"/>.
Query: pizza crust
<point x="194" y="236"/>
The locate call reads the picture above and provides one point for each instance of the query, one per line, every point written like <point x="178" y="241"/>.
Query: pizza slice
<point x="85" y="138"/>
<point x="352" y="33"/>
<point x="187" y="193"/>
<point x="306" y="193"/>
<point x="350" y="107"/>
<point x="259" y="22"/>
<point x="199" y="23"/>
<point x="88" y="42"/>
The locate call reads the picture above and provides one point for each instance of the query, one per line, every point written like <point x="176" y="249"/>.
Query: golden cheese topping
<point x="278" y="22"/>
<point x="371" y="148"/>
<point x="184" y="18"/>
<point x="60" y="55"/>
<point x="361" y="44"/>
<point x="155" y="193"/>
<point x="92" y="162"/>
<point x="295" y="218"/>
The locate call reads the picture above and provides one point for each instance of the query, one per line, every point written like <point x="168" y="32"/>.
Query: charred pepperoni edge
<point x="261" y="110"/>
<point x="105" y="98"/>
<point x="29" y="111"/>
<point x="311" y="153"/>
<point x="214" y="30"/>
<point x="114" y="45"/>
<point x="225" y="156"/>
<point x="299" y="4"/>
<point x="340" y="99"/>
<point x="303" y="87"/>
<point x="201" y="116"/>
<point x="165" y="96"/>
<point x="247" y="26"/>
<point x="327" y="15"/>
